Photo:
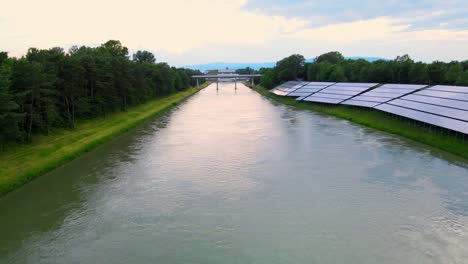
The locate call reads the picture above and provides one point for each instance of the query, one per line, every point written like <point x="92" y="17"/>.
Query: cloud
<point x="421" y="14"/>
<point x="173" y="26"/>
<point x="185" y="32"/>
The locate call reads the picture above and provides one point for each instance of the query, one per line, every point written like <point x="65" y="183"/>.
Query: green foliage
<point x="291" y="68"/>
<point x="332" y="67"/>
<point x="22" y="163"/>
<point x="51" y="88"/>
<point x="333" y="57"/>
<point x="246" y="70"/>
<point x="269" y="78"/>
<point x="142" y="56"/>
<point x="435" y="72"/>
<point x="9" y="119"/>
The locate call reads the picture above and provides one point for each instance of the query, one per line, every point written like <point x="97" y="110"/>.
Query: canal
<point x="231" y="177"/>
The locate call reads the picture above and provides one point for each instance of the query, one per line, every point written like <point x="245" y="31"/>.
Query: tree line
<point x="333" y="67"/>
<point x="51" y="88"/>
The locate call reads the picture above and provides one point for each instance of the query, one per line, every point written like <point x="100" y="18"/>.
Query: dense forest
<point x="334" y="67"/>
<point x="48" y="89"/>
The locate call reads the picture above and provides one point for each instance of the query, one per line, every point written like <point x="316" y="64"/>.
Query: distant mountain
<point x="256" y="66"/>
<point x="232" y="66"/>
<point x="370" y="59"/>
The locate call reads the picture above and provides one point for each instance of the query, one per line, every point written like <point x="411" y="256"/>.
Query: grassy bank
<point x="22" y="163"/>
<point x="381" y="121"/>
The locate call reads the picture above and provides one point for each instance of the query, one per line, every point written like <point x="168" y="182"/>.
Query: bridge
<point x="234" y="77"/>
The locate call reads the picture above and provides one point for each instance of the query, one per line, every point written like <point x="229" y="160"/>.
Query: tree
<point x="333" y="57"/>
<point x="269" y="78"/>
<point x="9" y="118"/>
<point x="418" y="73"/>
<point x="453" y="73"/>
<point x="337" y="74"/>
<point x="115" y="48"/>
<point x="435" y="72"/>
<point x="33" y="92"/>
<point x="404" y="58"/>
<point x="50" y="88"/>
<point x="312" y="71"/>
<point x="142" y="56"/>
<point x="291" y="68"/>
<point x="402" y="68"/>
<point x="463" y="79"/>
<point x="246" y="70"/>
<point x="72" y="88"/>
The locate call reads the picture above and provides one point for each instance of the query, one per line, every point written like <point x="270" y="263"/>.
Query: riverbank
<point x="23" y="163"/>
<point x="380" y="121"/>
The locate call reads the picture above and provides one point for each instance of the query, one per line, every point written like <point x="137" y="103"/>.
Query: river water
<point x="231" y="177"/>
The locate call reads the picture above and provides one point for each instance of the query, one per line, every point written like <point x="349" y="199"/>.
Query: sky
<point x="185" y="32"/>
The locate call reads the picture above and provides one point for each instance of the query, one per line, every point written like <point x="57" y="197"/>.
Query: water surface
<point x="231" y="177"/>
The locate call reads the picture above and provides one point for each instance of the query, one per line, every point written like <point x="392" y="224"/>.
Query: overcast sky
<point x="185" y="32"/>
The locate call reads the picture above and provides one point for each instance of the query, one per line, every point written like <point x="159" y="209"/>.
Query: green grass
<point x="381" y="121"/>
<point x="20" y="164"/>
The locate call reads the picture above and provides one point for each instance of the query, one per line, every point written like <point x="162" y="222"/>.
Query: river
<point x="231" y="177"/>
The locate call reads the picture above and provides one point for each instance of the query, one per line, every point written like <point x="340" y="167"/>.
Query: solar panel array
<point x="383" y="94"/>
<point x="339" y="92"/>
<point x="443" y="106"/>
<point x="309" y="89"/>
<point x="287" y="87"/>
<point x="440" y="105"/>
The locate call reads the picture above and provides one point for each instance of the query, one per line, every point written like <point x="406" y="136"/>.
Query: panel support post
<point x="235" y="83"/>
<point x="217" y="84"/>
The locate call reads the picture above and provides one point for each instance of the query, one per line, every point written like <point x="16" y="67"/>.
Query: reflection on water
<point x="231" y="177"/>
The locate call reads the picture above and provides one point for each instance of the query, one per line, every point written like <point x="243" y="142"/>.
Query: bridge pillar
<point x="217" y="84"/>
<point x="198" y="85"/>
<point x="235" y="83"/>
<point x="252" y="82"/>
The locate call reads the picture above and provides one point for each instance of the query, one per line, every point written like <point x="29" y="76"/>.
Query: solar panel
<point x="371" y="98"/>
<point x="360" y="103"/>
<point x="287" y="87"/>
<point x="306" y="91"/>
<point x="345" y="92"/>
<point x="329" y="95"/>
<point x="320" y="83"/>
<point x="433" y="119"/>
<point x="394" y="90"/>
<point x="438" y="101"/>
<point x="298" y="94"/>
<point x="448" y="95"/>
<point x="309" y="88"/>
<point x="339" y="92"/>
<point x="383" y="94"/>
<point x="404" y="86"/>
<point x="322" y="100"/>
<point x="434" y="109"/>
<point x="453" y="89"/>
<point x="368" y="85"/>
<point x="379" y="94"/>
<point x="348" y="88"/>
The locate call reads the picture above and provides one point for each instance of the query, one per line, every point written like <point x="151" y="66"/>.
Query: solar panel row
<point x="339" y="92"/>
<point x="288" y="87"/>
<point x="444" y="106"/>
<point x="383" y="94"/>
<point x="441" y="105"/>
<point x="449" y="123"/>
<point x="306" y="90"/>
